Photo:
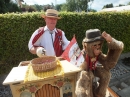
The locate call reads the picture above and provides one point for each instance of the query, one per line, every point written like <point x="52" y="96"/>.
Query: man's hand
<point x="40" y="51"/>
<point x="60" y="58"/>
<point x="107" y="37"/>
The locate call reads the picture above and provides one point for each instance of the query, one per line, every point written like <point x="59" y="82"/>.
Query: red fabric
<point x="91" y="64"/>
<point x="40" y="32"/>
<point x="58" y="43"/>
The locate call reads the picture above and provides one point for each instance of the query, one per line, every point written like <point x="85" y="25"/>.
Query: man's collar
<point x="46" y="28"/>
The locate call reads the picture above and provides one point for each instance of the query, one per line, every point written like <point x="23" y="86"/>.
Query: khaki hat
<point x="52" y="13"/>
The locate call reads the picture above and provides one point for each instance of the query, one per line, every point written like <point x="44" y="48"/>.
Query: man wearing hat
<point x="48" y="40"/>
<point x="97" y="65"/>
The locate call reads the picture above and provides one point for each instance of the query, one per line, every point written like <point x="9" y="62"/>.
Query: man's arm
<point x="33" y="50"/>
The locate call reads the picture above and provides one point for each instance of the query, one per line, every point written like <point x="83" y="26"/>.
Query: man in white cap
<point x="48" y="40"/>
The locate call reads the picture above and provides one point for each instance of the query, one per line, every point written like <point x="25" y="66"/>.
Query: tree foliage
<point x="71" y="5"/>
<point x="38" y="7"/>
<point x="121" y="5"/>
<point x="77" y="5"/>
<point x="47" y="7"/>
<point x="128" y="3"/>
<point x="58" y="7"/>
<point x="83" y="5"/>
<point x="108" y="6"/>
<point x="8" y="6"/>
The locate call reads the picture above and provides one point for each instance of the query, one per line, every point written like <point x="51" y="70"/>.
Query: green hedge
<point x="16" y="29"/>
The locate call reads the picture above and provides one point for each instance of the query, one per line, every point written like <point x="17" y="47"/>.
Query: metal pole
<point x="55" y="4"/>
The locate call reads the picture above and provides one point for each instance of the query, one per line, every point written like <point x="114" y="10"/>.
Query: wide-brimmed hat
<point x="93" y="35"/>
<point x="52" y="13"/>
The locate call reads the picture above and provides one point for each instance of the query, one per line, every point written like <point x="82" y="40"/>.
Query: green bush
<point x="16" y="30"/>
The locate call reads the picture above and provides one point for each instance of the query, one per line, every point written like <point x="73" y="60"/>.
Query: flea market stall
<point x="59" y="82"/>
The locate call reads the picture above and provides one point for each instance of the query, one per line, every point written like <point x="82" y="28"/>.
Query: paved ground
<point x="116" y="72"/>
<point x="120" y="80"/>
<point x="4" y="89"/>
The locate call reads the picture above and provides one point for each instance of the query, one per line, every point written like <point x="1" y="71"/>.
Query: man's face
<point x="51" y="22"/>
